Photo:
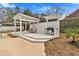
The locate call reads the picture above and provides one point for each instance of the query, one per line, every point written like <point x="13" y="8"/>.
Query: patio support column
<point x="14" y="25"/>
<point x="29" y="25"/>
<point x="20" y="25"/>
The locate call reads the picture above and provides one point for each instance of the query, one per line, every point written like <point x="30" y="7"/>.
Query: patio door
<point x="28" y="26"/>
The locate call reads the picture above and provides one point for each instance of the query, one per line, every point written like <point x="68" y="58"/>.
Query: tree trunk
<point x="73" y="41"/>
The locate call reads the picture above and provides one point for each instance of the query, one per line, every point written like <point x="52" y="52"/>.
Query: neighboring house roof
<point x="74" y="15"/>
<point x="25" y="18"/>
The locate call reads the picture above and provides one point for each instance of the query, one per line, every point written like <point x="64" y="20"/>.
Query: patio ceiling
<point x="23" y="20"/>
<point x="26" y="18"/>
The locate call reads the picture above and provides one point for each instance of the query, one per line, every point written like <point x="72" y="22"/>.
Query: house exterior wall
<point x="42" y="26"/>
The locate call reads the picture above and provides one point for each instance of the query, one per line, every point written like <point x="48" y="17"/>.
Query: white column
<point x="20" y="25"/>
<point x="29" y="26"/>
<point x="14" y="25"/>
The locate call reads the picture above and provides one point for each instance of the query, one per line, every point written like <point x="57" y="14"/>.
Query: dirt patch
<point x="19" y="47"/>
<point x="60" y="47"/>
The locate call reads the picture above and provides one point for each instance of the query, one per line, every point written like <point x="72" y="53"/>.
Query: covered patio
<point x="26" y="20"/>
<point x="28" y="31"/>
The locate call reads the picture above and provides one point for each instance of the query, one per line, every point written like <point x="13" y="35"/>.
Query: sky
<point x="43" y="7"/>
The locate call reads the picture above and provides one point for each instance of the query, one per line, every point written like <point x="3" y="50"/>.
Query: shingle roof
<point x="73" y="15"/>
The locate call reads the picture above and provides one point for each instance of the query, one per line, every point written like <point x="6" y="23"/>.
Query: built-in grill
<point x="50" y="30"/>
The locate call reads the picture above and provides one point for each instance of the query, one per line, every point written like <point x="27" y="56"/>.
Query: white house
<point x="49" y="28"/>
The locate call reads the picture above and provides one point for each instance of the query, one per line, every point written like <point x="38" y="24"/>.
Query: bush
<point x="71" y="23"/>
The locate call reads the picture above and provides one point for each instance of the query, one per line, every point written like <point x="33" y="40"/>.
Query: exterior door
<point x="28" y="26"/>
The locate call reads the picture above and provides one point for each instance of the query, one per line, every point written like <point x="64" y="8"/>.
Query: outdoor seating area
<point x="31" y="29"/>
<point x="35" y="37"/>
<point x="39" y="29"/>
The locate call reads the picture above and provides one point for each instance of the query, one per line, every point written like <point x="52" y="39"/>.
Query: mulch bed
<point x="61" y="47"/>
<point x="12" y="36"/>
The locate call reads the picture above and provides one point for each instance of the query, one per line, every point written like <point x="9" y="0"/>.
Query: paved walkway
<point x="18" y="46"/>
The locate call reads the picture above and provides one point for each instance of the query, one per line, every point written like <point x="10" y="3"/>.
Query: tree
<point x="17" y="10"/>
<point x="43" y="14"/>
<point x="73" y="32"/>
<point x="10" y="13"/>
<point x="55" y="10"/>
<point x="6" y="14"/>
<point x="27" y="12"/>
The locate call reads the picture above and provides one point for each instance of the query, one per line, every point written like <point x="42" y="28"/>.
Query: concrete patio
<point x="34" y="37"/>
